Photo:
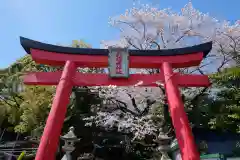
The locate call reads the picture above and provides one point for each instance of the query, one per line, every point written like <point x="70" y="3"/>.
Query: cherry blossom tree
<point x="149" y="28"/>
<point x="127" y="109"/>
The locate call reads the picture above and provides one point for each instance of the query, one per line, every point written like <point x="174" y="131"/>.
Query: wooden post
<point x="179" y="118"/>
<point x="50" y="138"/>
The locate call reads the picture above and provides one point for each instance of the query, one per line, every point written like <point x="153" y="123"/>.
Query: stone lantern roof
<point x="70" y="136"/>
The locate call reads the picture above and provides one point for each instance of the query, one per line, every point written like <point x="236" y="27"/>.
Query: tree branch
<point x="149" y="104"/>
<point x="134" y="103"/>
<point x="181" y="37"/>
<point x="154" y="42"/>
<point x="130" y="25"/>
<point x="164" y="43"/>
<point x="144" y="29"/>
<point x="123" y="107"/>
<point x="5" y="101"/>
<point x="130" y="43"/>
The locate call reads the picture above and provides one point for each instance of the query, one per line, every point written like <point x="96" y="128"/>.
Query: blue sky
<point x="61" y="21"/>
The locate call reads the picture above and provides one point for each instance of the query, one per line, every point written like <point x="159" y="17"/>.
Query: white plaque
<point x="118" y="62"/>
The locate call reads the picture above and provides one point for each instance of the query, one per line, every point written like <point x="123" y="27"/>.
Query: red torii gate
<point x="71" y="58"/>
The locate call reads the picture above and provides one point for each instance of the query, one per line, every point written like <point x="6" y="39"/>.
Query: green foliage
<point x="35" y="107"/>
<point x="21" y="156"/>
<point x="26" y="107"/>
<point x="226" y="104"/>
<point x="80" y="44"/>
<point x="229" y="77"/>
<point x="218" y="107"/>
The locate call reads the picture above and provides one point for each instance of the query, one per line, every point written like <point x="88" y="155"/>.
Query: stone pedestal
<point x="163" y="145"/>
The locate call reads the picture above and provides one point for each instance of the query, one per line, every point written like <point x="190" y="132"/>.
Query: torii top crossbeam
<point x="87" y="57"/>
<point x="71" y="58"/>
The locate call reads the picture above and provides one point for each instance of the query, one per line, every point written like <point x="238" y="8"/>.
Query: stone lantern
<point x="163" y="141"/>
<point x="69" y="139"/>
